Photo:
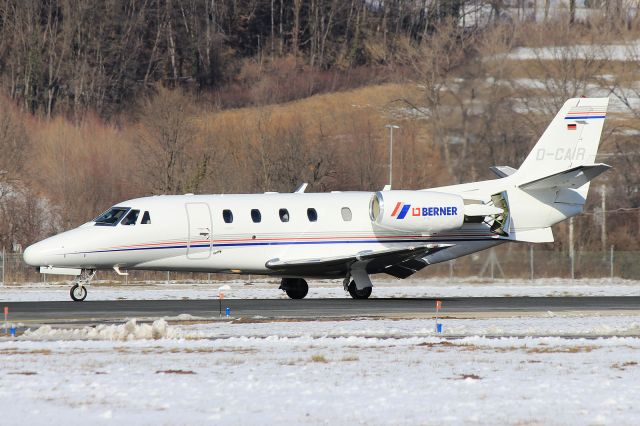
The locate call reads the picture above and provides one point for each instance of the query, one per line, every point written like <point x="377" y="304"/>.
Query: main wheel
<point x="359" y="294"/>
<point x="78" y="294"/>
<point x="296" y="288"/>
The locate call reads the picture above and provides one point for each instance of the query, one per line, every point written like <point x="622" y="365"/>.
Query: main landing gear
<point x="358" y="294"/>
<point x="296" y="288"/>
<point x="78" y="291"/>
<point x="358" y="284"/>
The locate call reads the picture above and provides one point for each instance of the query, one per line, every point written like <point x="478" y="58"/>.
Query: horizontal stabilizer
<point x="502" y="171"/>
<point x="572" y="178"/>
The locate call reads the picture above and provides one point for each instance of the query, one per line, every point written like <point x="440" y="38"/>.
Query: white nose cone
<point x="32" y="255"/>
<point x="42" y="253"/>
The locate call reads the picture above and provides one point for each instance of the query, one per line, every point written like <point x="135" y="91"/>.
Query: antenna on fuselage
<point x="301" y="188"/>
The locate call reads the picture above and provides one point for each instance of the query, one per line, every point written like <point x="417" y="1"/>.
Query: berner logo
<point x="401" y="210"/>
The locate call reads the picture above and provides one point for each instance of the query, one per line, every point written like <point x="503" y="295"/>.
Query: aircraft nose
<point x="33" y="255"/>
<point x="42" y="253"/>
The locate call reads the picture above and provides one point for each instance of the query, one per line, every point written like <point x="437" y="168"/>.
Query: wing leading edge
<point x="399" y="263"/>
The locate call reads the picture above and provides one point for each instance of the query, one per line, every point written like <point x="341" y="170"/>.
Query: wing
<point x="400" y="263"/>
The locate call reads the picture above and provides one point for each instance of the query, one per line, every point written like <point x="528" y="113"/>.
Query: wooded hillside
<point x="67" y="56"/>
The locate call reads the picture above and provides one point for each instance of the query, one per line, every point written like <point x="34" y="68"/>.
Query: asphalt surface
<point x="92" y="311"/>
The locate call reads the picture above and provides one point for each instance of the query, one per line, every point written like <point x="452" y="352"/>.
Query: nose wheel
<point x="78" y="290"/>
<point x="78" y="293"/>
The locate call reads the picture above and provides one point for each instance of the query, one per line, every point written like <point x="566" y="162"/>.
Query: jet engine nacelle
<point x="417" y="211"/>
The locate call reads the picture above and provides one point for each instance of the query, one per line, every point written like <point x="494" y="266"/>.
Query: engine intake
<point x="417" y="211"/>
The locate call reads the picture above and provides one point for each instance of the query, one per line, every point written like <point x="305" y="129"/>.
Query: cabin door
<point x="200" y="231"/>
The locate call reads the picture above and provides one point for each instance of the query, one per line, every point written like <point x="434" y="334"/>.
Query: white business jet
<point x="348" y="235"/>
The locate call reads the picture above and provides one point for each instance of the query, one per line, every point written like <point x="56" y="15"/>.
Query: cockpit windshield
<point x="111" y="217"/>
<point x="131" y="218"/>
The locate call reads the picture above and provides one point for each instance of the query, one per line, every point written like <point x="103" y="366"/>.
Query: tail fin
<point x="553" y="181"/>
<point x="570" y="141"/>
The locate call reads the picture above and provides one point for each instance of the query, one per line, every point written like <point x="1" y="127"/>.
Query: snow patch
<point x="611" y="52"/>
<point x="131" y="330"/>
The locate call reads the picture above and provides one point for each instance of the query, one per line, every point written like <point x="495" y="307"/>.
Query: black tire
<point x="296" y="288"/>
<point x="77" y="294"/>
<point x="359" y="294"/>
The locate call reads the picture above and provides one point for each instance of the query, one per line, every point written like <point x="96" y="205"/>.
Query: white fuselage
<point x="189" y="233"/>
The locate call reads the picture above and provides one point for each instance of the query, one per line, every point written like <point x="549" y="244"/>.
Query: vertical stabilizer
<point x="571" y="140"/>
<point x="553" y="181"/>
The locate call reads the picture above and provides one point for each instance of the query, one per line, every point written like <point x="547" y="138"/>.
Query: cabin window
<point x="131" y="218"/>
<point x="256" y="216"/>
<point x="312" y="214"/>
<point x="227" y="215"/>
<point x="346" y="214"/>
<point x="111" y="217"/>
<point x="146" y="219"/>
<point x="284" y="215"/>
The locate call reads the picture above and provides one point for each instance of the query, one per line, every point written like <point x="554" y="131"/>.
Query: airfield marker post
<point x="220" y="298"/>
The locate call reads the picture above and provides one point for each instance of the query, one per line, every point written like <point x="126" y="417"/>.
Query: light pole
<point x="391" y="127"/>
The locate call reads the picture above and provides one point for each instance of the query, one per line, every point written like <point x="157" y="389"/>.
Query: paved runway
<point x="97" y="311"/>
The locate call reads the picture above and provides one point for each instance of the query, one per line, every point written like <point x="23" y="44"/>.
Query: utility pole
<point x="531" y="262"/>
<point x="571" y="251"/>
<point x="391" y="127"/>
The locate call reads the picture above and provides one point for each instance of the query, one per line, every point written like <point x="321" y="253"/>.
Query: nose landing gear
<point x="78" y="291"/>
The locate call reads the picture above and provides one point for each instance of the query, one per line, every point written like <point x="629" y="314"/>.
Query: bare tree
<point x="166" y="136"/>
<point x="13" y="148"/>
<point x="439" y="56"/>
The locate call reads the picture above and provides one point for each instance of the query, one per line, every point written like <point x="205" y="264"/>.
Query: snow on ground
<point x="336" y="372"/>
<point x="606" y="52"/>
<point x="268" y="289"/>
<point x="549" y="324"/>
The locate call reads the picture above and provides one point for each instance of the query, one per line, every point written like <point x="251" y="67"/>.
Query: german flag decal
<point x="572" y="126"/>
